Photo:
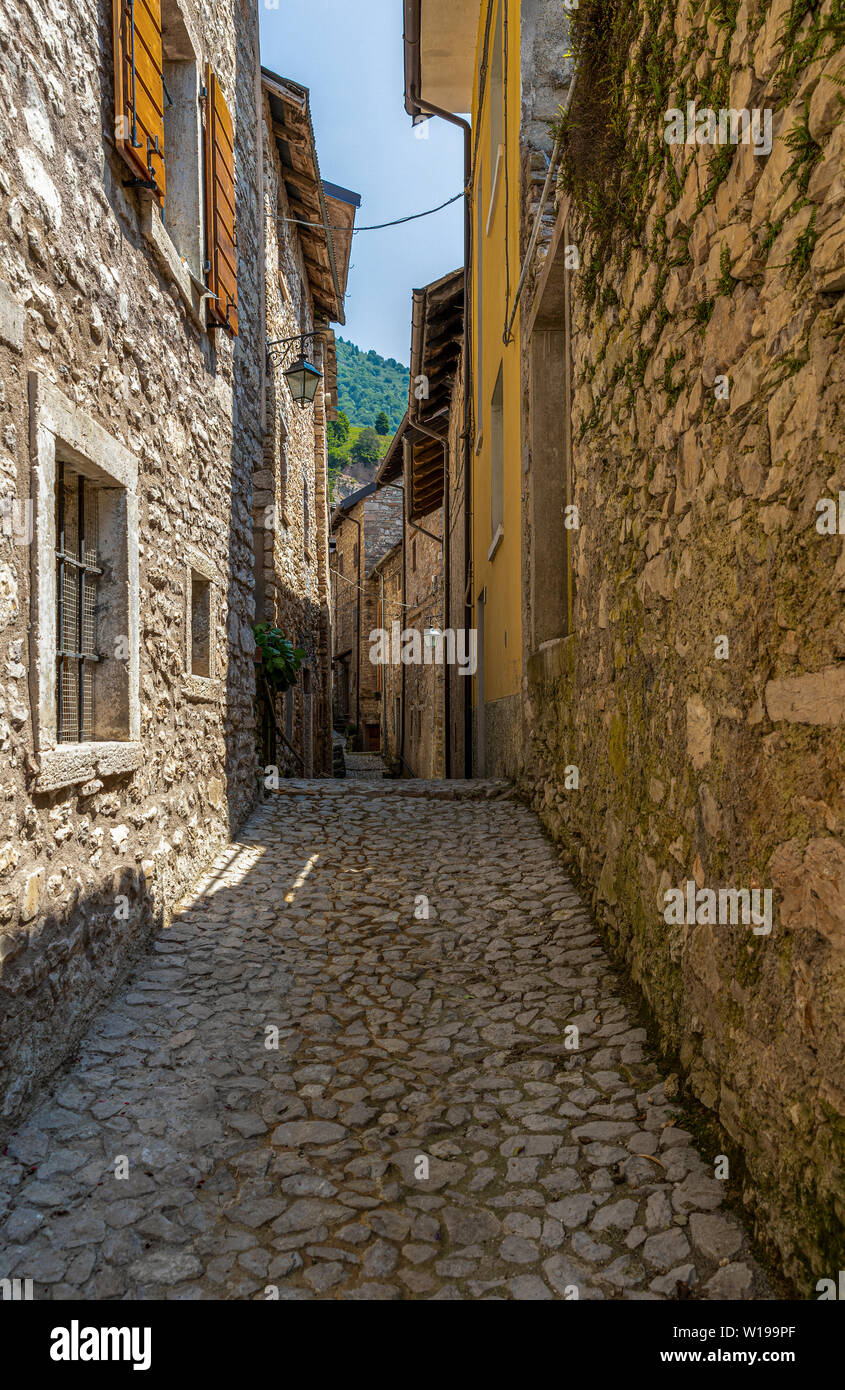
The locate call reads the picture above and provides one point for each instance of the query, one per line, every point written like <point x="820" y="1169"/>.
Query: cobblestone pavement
<point x="364" y="766"/>
<point x="256" y="1170"/>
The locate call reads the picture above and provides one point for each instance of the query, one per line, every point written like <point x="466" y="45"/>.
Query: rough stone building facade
<point x="386" y="578"/>
<point x="411" y="601"/>
<point x="685" y="644"/>
<point x="130" y="429"/>
<point x="429" y="698"/>
<point x="307" y="261"/>
<point x="364" y="527"/>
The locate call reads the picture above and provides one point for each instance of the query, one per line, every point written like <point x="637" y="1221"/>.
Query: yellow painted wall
<point x="490" y="310"/>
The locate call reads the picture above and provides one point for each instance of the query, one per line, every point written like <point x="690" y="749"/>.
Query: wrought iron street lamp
<point x="302" y="376"/>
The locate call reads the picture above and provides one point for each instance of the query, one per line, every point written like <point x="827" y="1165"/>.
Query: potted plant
<point x="278" y="656"/>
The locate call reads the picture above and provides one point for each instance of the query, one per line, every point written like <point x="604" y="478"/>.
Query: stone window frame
<point x="201" y="687"/>
<point x="57" y="425"/>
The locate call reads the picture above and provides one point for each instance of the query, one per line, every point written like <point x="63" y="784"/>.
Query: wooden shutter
<point x="220" y="208"/>
<point x="139" y="90"/>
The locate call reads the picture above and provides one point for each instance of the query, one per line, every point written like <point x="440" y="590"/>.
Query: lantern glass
<point x="303" y="378"/>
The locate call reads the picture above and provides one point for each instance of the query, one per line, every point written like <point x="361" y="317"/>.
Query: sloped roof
<point x="342" y="204"/>
<point x="326" y="252"/>
<point x="437" y="334"/>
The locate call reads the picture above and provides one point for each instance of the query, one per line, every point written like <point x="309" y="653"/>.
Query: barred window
<point x="77" y="551"/>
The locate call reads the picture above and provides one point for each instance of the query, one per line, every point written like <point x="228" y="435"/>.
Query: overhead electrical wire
<point x="378" y="226"/>
<point x="353" y="585"/>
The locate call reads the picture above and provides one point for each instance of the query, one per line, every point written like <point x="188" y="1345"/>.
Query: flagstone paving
<point x="344" y="1072"/>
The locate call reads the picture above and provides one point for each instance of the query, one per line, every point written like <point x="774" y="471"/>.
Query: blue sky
<point x="349" y="53"/>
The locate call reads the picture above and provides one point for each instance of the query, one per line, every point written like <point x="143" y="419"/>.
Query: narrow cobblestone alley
<point x="553" y="1173"/>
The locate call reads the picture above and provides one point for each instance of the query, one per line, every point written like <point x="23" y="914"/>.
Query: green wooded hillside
<point x="368" y="383"/>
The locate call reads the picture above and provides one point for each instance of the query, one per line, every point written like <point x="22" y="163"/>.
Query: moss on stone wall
<point x="705" y="268"/>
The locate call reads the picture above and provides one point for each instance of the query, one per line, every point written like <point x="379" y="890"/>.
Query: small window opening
<point x="200" y="625"/>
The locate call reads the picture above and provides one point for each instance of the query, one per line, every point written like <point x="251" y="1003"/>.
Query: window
<point x="306" y="518"/>
<point x="77" y="574"/>
<point x="414" y="554"/>
<point x="202" y="586"/>
<point x="85" y="589"/>
<point x="182" y="210"/>
<point x="158" y="132"/>
<point x="497" y="465"/>
<point x="200" y="625"/>
<point x="186" y="172"/>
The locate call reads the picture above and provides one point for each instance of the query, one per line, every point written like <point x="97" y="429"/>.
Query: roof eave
<point x="286" y="89"/>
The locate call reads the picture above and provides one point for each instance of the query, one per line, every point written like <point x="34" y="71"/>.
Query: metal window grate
<point x="77" y="550"/>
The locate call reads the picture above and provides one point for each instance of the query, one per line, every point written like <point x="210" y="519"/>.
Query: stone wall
<point x="374" y="522"/>
<point x="424" y="684"/>
<point x="387" y="575"/>
<point x="98" y="315"/>
<point x="413" y="729"/>
<point x="347" y="571"/>
<point x="698" y="692"/>
<point x="290" y="501"/>
<point x="382" y="524"/>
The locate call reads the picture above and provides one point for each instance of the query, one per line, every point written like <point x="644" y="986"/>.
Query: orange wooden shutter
<point x="220" y="208"/>
<point x="139" y="90"/>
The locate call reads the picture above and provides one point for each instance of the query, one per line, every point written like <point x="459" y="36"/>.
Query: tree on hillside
<point x="382" y="423"/>
<point x="366" y="446"/>
<point x="339" y="429"/>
